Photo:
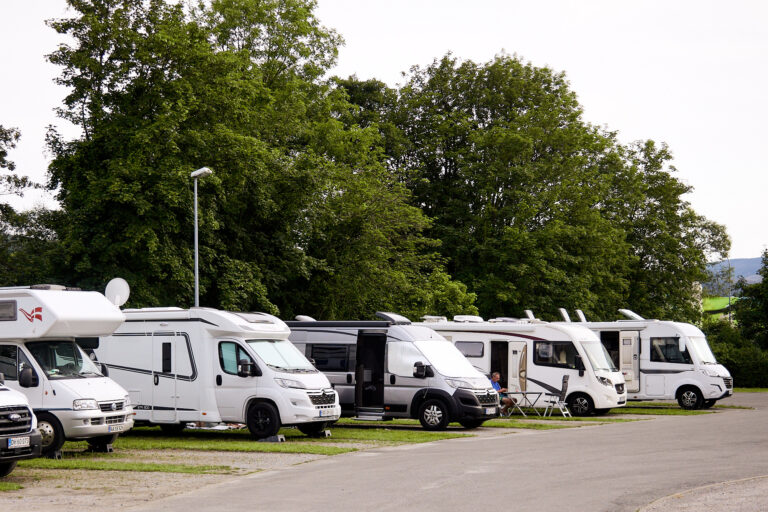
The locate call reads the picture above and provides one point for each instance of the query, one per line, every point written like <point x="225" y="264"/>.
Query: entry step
<point x="369" y="417"/>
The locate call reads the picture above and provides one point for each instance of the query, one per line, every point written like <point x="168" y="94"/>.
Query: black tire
<point x="471" y="422"/>
<point x="6" y="468"/>
<point x="580" y="404"/>
<point x="433" y="415"/>
<point x="690" y="398"/>
<point x="104" y="440"/>
<point x="171" y="429"/>
<point x="263" y="420"/>
<point x="601" y="412"/>
<point x="52" y="433"/>
<point x="708" y="403"/>
<point x="312" y="429"/>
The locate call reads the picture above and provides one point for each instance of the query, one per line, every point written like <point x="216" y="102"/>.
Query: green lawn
<point x="8" y="486"/>
<point x="715" y="303"/>
<point x="750" y="390"/>
<point x="107" y="465"/>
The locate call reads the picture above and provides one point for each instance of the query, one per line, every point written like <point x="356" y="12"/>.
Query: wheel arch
<point x="425" y="394"/>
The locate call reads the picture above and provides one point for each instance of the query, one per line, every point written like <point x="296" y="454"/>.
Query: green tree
<point x="751" y="310"/>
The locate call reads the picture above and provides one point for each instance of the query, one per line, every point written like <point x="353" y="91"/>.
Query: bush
<point x="747" y="362"/>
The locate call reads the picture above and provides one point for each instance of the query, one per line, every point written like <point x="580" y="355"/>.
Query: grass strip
<point x="379" y="435"/>
<point x="10" y="486"/>
<point x="657" y="411"/>
<point x="505" y="423"/>
<point x="750" y="390"/>
<point x="184" y="442"/>
<point x="105" y="465"/>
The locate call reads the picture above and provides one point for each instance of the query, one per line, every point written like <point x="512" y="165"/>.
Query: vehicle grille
<point x="15" y="426"/>
<point x="487" y="398"/>
<point x="619" y="388"/>
<point x="107" y="406"/>
<point x="111" y="420"/>
<point x="728" y="382"/>
<point x="323" y="399"/>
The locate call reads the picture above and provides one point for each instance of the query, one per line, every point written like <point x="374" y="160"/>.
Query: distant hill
<point x="742" y="267"/>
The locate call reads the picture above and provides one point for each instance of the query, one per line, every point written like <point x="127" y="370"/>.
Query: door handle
<point x="218" y="380"/>
<point x="349" y="378"/>
<point x="391" y="379"/>
<point x="157" y="379"/>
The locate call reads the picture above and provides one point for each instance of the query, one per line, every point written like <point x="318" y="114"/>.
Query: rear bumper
<point x="28" y="452"/>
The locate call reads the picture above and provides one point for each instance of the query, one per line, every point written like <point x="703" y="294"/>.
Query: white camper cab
<point x="19" y="437"/>
<point x="663" y="360"/>
<point x="211" y="366"/>
<point x="70" y="396"/>
<point x="391" y="369"/>
<point x="532" y="355"/>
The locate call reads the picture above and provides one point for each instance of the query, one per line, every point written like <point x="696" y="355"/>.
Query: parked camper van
<point x="70" y="396"/>
<point x="19" y="437"/>
<point x="392" y="369"/>
<point x="206" y="365"/>
<point x="663" y="360"/>
<point x="532" y="355"/>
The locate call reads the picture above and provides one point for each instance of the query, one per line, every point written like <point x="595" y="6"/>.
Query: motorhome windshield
<point x="281" y="355"/>
<point x="446" y="359"/>
<point x="62" y="360"/>
<point x="598" y="356"/>
<point x="699" y="346"/>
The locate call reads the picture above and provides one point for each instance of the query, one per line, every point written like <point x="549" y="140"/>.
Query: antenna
<point x="564" y="314"/>
<point x="117" y="291"/>
<point x="630" y="314"/>
<point x="580" y="314"/>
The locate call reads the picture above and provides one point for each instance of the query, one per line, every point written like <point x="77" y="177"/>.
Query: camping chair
<point x="557" y="400"/>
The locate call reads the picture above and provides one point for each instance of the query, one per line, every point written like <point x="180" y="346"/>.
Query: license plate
<point x="320" y="413"/>
<point x="18" y="442"/>
<point x="490" y="410"/>
<point x="115" y="428"/>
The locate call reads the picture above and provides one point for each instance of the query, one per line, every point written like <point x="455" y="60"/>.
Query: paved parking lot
<point x="623" y="466"/>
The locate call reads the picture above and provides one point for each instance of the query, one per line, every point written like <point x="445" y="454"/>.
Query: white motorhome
<point x="70" y="396"/>
<point x="533" y="356"/>
<point x="19" y="437"/>
<point x="211" y="366"/>
<point x="391" y="369"/>
<point x="663" y="360"/>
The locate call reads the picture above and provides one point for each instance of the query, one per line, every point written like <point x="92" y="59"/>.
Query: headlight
<point x="709" y="373"/>
<point x="458" y="383"/>
<point x="127" y="402"/>
<point x="605" y="382"/>
<point x="290" y="383"/>
<point x="85" y="404"/>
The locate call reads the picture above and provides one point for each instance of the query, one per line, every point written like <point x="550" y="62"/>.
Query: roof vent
<point x="630" y="314"/>
<point x="393" y="318"/>
<point x="468" y="319"/>
<point x="304" y="318"/>
<point x="433" y="319"/>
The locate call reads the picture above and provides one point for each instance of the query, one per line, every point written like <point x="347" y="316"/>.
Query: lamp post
<point x="202" y="172"/>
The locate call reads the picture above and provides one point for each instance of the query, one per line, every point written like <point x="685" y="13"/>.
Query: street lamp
<point x="200" y="173"/>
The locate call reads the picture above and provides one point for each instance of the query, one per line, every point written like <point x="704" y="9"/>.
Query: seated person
<point x="505" y="401"/>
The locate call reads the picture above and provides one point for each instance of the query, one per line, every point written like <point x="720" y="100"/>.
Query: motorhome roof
<point x="216" y="321"/>
<point x="45" y="312"/>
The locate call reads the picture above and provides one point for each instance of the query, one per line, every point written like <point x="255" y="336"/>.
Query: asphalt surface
<point x="659" y="464"/>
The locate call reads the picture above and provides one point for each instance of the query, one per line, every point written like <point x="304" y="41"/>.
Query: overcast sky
<point x="688" y="73"/>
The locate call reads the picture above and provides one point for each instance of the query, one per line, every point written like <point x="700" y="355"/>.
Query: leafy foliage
<point x="751" y="310"/>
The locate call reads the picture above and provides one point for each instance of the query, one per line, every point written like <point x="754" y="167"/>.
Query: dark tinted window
<point x="332" y="358"/>
<point x="470" y="348"/>
<point x="667" y="350"/>
<point x="8" y="310"/>
<point x="8" y="363"/>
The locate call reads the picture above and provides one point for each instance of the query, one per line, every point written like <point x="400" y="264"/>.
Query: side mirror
<point x="312" y="362"/>
<point x="244" y="368"/>
<point x="104" y="369"/>
<point x="419" y="370"/>
<point x="429" y="371"/>
<point x="28" y="378"/>
<point x="579" y="365"/>
<point x="2" y="378"/>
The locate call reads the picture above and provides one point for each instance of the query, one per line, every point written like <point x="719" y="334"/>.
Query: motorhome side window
<point x="331" y="358"/>
<point x="230" y="354"/>
<point x="7" y="310"/>
<point x="555" y="353"/>
<point x="470" y="348"/>
<point x="667" y="350"/>
<point x="401" y="356"/>
<point x="8" y="362"/>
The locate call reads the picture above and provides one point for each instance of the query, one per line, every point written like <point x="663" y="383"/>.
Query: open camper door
<point x="629" y="359"/>
<point x="163" y="378"/>
<point x="369" y="373"/>
<point x="518" y="367"/>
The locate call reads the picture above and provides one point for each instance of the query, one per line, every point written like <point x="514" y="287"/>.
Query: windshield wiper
<point x="89" y="372"/>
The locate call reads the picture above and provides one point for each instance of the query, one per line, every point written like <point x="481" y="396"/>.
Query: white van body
<point x="70" y="396"/>
<point x="515" y="348"/>
<point x="664" y="360"/>
<point x="183" y="365"/>
<point x="19" y="437"/>
<point x="391" y="369"/>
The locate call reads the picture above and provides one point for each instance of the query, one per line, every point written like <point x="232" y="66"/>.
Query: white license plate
<point x="490" y="411"/>
<point x="18" y="442"/>
<point x="115" y="428"/>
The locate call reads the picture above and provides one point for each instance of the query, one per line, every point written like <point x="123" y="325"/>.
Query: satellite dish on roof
<point x="117" y="291"/>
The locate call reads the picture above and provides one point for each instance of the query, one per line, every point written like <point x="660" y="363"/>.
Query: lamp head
<point x="202" y="172"/>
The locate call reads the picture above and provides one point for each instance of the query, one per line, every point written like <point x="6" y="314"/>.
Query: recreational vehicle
<point x="19" y="437"/>
<point x="533" y="356"/>
<point x="663" y="360"/>
<point x="392" y="369"/>
<point x="211" y="366"/>
<point x="68" y="393"/>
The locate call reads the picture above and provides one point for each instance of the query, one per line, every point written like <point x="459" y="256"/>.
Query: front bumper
<point x="468" y="406"/>
<point x="308" y="406"/>
<point x="93" y="423"/>
<point x="28" y="452"/>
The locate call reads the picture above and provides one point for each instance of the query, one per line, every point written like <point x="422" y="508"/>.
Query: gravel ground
<point x="749" y="495"/>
